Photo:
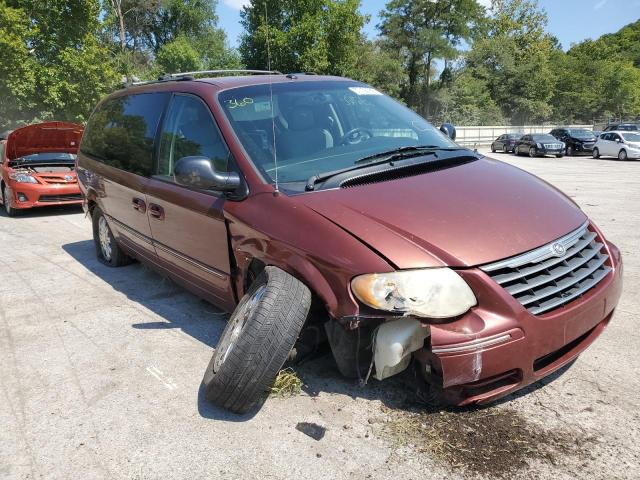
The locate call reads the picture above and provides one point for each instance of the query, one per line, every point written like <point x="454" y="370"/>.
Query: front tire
<point x="107" y="249"/>
<point x="622" y="155"/>
<point x="256" y="341"/>
<point x="493" y="148"/>
<point x="596" y="153"/>
<point x="570" y="151"/>
<point x="559" y="155"/>
<point x="7" y="201"/>
<point x="532" y="152"/>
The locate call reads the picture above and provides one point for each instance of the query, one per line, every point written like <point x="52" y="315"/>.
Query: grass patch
<point x="287" y="384"/>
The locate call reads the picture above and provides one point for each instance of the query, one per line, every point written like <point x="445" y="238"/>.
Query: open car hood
<point x="466" y="215"/>
<point x="58" y="137"/>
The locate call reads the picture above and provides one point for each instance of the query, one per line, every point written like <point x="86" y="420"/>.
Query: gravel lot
<point x="101" y="371"/>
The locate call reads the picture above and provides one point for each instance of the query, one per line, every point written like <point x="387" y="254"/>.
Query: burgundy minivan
<point x="318" y="209"/>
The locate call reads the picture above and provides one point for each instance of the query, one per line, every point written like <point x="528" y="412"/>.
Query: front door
<point x="188" y="226"/>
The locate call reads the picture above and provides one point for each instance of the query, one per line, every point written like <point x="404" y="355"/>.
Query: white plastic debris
<point x="394" y="343"/>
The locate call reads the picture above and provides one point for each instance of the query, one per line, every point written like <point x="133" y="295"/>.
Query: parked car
<point x="576" y="140"/>
<point x="38" y="166"/>
<point x="621" y="127"/>
<point x="309" y="204"/>
<point x="623" y="145"/>
<point x="505" y="143"/>
<point x="539" y="144"/>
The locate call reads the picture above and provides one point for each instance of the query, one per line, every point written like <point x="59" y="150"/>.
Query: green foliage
<point x="378" y="66"/>
<point x="18" y="68"/>
<point x="52" y="65"/>
<point x="514" y="61"/>
<point x="467" y="101"/>
<point x="423" y="31"/>
<point x="319" y="36"/>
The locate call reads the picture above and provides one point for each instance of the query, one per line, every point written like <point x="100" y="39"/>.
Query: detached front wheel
<point x="257" y="340"/>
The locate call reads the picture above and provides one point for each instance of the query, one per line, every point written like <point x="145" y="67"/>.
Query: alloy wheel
<point x="105" y="239"/>
<point x="622" y="155"/>
<point x="532" y="152"/>
<point x="235" y="326"/>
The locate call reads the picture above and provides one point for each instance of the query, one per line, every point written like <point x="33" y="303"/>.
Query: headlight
<point x="22" y="178"/>
<point x="433" y="292"/>
<point x="539" y="145"/>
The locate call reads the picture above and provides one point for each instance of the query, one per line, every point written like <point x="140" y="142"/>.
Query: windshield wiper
<point x="405" y="152"/>
<point x="370" y="161"/>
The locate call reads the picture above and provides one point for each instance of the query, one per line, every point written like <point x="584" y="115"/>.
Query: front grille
<point x="552" y="146"/>
<point x="60" y="198"/>
<point x="555" y="274"/>
<point x="57" y="180"/>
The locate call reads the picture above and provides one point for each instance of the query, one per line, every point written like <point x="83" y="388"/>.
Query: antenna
<point x="273" y="114"/>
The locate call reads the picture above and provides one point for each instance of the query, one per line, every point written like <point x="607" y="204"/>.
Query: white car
<point x="621" y="144"/>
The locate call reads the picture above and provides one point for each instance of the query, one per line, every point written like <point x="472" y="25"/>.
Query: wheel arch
<point x="250" y="264"/>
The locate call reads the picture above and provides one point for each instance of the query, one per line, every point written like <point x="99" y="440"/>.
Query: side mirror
<point x="617" y="140"/>
<point x="449" y="130"/>
<point x="199" y="172"/>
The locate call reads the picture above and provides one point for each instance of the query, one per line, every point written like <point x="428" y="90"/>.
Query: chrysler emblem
<point x="558" y="249"/>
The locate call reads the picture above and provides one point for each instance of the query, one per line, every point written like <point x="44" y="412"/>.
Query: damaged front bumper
<point x="499" y="347"/>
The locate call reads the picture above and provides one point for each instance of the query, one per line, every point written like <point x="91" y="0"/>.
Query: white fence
<point x="477" y="136"/>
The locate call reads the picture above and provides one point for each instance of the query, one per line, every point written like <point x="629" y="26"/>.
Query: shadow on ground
<point x="199" y="319"/>
<point x="51" y="211"/>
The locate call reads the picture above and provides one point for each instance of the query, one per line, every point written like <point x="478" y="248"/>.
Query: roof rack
<point x="168" y="77"/>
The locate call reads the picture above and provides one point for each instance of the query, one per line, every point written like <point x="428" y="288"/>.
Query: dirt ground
<point x="101" y="370"/>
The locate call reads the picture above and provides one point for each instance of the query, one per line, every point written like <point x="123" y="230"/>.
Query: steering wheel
<point x="355" y="136"/>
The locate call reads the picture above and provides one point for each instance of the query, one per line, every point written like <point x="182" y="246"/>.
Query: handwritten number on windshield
<point x="235" y="103"/>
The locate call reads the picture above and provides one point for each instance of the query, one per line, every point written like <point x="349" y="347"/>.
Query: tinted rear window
<point x="121" y="132"/>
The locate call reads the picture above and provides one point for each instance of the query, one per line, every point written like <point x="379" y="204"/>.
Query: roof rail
<point x="190" y="75"/>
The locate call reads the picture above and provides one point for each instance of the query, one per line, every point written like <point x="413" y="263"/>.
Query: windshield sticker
<point x="235" y="103"/>
<point x="364" y="91"/>
<point x="262" y="107"/>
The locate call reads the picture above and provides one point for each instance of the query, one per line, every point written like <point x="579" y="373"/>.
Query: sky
<point x="570" y="20"/>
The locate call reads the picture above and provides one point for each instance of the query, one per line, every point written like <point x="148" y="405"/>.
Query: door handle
<point x="156" y="211"/>
<point x="139" y="205"/>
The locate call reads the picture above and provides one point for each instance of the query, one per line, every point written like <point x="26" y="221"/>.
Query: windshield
<point x="580" y="133"/>
<point x="47" y="157"/>
<point x="544" y="138"/>
<point x="631" y="137"/>
<point x="321" y="126"/>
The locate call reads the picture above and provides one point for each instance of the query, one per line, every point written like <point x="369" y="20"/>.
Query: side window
<point x="121" y="133"/>
<point x="189" y="130"/>
<point x="605" y="136"/>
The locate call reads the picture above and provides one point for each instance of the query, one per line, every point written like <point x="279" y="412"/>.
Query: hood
<point x="59" y="137"/>
<point x="467" y="215"/>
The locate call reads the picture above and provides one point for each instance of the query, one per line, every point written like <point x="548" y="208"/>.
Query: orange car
<point x="38" y="166"/>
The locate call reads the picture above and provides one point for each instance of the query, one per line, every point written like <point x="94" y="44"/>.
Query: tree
<point x="18" y="68"/>
<point x="376" y="65"/>
<point x="423" y="31"/>
<point x="319" y="36"/>
<point x="514" y="60"/>
<point x="52" y="64"/>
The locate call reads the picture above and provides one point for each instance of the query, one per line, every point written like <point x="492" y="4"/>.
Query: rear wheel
<point x="493" y="148"/>
<point x="570" y="151"/>
<point x="622" y="155"/>
<point x="532" y="152"/>
<point x="596" y="153"/>
<point x="257" y="340"/>
<point x="107" y="249"/>
<point x="7" y="200"/>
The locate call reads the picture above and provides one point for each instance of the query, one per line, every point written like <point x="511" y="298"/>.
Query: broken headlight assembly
<point x="22" y="178"/>
<point x="430" y="293"/>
